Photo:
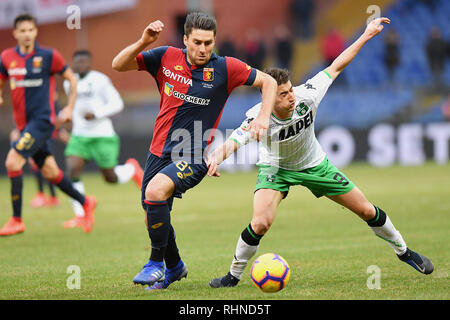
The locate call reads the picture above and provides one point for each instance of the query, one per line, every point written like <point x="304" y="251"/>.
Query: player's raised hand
<point x="151" y="32"/>
<point x="376" y="26"/>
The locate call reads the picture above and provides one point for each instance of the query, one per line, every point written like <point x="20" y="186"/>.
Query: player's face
<point x="199" y="46"/>
<point x="81" y="64"/>
<point x="25" y="33"/>
<point x="285" y="100"/>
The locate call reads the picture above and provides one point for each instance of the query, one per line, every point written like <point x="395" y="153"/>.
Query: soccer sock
<point x="76" y="206"/>
<point x="39" y="179"/>
<point x="52" y="189"/>
<point x="16" y="192"/>
<point x="172" y="256"/>
<point x="246" y="248"/>
<point x="382" y="226"/>
<point x="158" y="217"/>
<point x="124" y="172"/>
<point x="66" y="186"/>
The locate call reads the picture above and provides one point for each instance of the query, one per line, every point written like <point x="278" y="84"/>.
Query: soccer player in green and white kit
<point x="93" y="135"/>
<point x="291" y="155"/>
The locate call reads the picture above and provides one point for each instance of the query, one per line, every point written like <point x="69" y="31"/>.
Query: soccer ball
<point x="270" y="272"/>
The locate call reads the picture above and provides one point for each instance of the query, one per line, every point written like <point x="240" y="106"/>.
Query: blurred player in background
<point x="194" y="84"/>
<point x="93" y="135"/>
<point x="31" y="69"/>
<point x="40" y="199"/>
<point x="292" y="156"/>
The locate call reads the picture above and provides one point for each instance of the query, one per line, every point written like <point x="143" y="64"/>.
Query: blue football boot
<point x="177" y="273"/>
<point x="417" y="261"/>
<point x="152" y="272"/>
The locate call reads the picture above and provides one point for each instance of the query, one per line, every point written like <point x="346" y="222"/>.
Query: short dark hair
<point x="199" y="20"/>
<point x="82" y="52"/>
<point x="280" y="75"/>
<point x="24" y="17"/>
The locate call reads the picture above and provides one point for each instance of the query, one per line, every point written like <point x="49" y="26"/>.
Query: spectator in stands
<point x="227" y="48"/>
<point x="283" y="47"/>
<point x="302" y="17"/>
<point x="436" y="49"/>
<point x="254" y="49"/>
<point x="333" y="43"/>
<point x="391" y="53"/>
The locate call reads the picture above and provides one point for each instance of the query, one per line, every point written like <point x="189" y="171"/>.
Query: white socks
<point x="124" y="172"/>
<point x="244" y="252"/>
<point x="388" y="233"/>
<point x="76" y="206"/>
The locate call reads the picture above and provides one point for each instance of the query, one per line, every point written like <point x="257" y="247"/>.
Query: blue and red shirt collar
<point x="25" y="55"/>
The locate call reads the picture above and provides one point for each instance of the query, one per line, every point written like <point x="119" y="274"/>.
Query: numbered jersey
<point x="291" y="143"/>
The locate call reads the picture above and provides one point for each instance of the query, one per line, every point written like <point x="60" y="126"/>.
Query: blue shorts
<point x="35" y="141"/>
<point x="184" y="175"/>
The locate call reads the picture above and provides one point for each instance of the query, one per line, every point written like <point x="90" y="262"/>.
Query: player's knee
<point x="13" y="163"/>
<point x="367" y="211"/>
<point x="261" y="225"/>
<point x="50" y="173"/>
<point x="156" y="194"/>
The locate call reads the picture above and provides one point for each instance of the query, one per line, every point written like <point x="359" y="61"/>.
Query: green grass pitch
<point x="328" y="248"/>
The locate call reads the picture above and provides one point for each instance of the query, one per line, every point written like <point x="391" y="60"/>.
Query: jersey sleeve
<point x="315" y="88"/>
<point x="151" y="60"/>
<point x="3" y="71"/>
<point x="58" y="63"/>
<point x="112" y="101"/>
<point x="239" y="73"/>
<point x="241" y="135"/>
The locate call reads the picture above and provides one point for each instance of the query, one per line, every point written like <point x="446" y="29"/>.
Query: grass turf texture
<point x="328" y="248"/>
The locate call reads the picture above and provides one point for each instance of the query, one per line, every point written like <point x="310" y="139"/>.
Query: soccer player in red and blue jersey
<point x="194" y="84"/>
<point x="30" y="69"/>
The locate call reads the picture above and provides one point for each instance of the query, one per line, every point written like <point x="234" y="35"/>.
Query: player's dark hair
<point x="199" y="20"/>
<point x="280" y="75"/>
<point x="82" y="53"/>
<point x="24" y="17"/>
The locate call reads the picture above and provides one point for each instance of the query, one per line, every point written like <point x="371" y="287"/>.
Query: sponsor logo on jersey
<point x="296" y="127"/>
<point x="17" y="72"/>
<point x="169" y="90"/>
<point x="177" y="77"/>
<point x="208" y="74"/>
<point x="28" y="83"/>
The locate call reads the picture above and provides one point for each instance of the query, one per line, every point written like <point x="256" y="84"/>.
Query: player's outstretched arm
<point x="339" y="64"/>
<point x="219" y="155"/>
<point x="268" y="85"/>
<point x="65" y="115"/>
<point x="126" y="59"/>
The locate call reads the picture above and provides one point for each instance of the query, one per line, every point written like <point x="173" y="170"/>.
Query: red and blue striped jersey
<point x="32" y="82"/>
<point x="192" y="98"/>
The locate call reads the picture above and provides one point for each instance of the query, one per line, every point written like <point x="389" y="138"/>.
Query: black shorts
<point x="183" y="174"/>
<point x="35" y="141"/>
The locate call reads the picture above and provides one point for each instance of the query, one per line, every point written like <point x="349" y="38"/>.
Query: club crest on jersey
<point x="168" y="89"/>
<point x="178" y="67"/>
<point x="301" y="109"/>
<point x="37" y="64"/>
<point x="208" y="74"/>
